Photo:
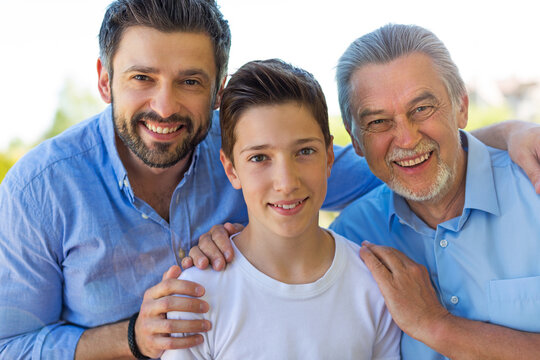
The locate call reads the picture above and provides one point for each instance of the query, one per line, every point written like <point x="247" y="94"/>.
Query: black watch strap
<point x="131" y="338"/>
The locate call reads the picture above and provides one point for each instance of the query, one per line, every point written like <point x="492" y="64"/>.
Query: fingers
<point x="379" y="270"/>
<point x="393" y="259"/>
<point x="216" y="246"/>
<point x="198" y="258"/>
<point x="531" y="166"/>
<point x="187" y="262"/>
<point x="169" y="343"/>
<point x="170" y="286"/>
<point x="173" y="273"/>
<point x="153" y="332"/>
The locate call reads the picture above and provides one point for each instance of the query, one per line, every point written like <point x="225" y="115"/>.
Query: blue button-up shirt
<point x="78" y="248"/>
<point x="484" y="264"/>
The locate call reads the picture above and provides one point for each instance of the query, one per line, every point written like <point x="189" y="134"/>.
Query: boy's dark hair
<point x="269" y="82"/>
<point x="195" y="16"/>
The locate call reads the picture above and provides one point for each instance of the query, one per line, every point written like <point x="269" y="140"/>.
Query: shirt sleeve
<point x="32" y="281"/>
<point x="350" y="178"/>
<point x="386" y="346"/>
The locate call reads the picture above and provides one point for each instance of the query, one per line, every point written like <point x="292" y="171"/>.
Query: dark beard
<point x="160" y="156"/>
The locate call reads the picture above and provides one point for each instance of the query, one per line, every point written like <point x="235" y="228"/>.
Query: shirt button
<point x="125" y="182"/>
<point x="144" y="216"/>
<point x="443" y="243"/>
<point x="181" y="253"/>
<point x="454" y="300"/>
<point x="120" y="183"/>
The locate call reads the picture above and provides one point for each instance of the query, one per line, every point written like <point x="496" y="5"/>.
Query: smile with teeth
<point x="415" y="161"/>
<point x="161" y="130"/>
<point x="288" y="206"/>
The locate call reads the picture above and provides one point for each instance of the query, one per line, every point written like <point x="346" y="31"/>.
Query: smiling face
<point x="281" y="163"/>
<point x="407" y="128"/>
<point x="162" y="93"/>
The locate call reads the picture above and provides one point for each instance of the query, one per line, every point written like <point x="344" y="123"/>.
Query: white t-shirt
<point x="340" y="316"/>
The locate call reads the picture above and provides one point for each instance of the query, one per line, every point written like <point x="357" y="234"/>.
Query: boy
<point x="277" y="148"/>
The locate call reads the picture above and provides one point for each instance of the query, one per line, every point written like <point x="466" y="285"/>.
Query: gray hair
<point x="387" y="44"/>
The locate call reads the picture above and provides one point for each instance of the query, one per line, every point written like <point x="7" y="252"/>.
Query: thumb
<point x="233" y="228"/>
<point x="173" y="272"/>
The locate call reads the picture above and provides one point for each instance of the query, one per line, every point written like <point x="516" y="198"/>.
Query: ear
<point x="330" y="156"/>
<point x="463" y="114"/>
<point x="217" y="101"/>
<point x="104" y="85"/>
<point x="355" y="143"/>
<point x="230" y="171"/>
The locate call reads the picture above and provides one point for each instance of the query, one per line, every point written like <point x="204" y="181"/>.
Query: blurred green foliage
<point x="74" y="104"/>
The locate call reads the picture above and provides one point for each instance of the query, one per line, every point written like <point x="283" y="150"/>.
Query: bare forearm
<point x="463" y="339"/>
<point x="104" y="342"/>
<point x="498" y="135"/>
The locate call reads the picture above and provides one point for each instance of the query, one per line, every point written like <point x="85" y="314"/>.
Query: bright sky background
<point x="45" y="42"/>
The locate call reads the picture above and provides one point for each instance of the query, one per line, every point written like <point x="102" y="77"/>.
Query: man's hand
<point x="214" y="248"/>
<point x="524" y="149"/>
<point x="406" y="288"/>
<point x="153" y="329"/>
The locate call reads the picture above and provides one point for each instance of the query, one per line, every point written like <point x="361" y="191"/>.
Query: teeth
<point x="412" y="162"/>
<point x="161" y="130"/>
<point x="287" y="207"/>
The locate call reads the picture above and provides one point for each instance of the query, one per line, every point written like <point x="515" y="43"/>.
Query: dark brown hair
<point x="269" y="82"/>
<point x="167" y="16"/>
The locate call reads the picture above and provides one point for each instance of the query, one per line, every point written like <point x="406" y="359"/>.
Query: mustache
<point x="151" y="115"/>
<point x="422" y="147"/>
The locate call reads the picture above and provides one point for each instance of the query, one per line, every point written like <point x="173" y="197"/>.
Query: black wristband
<point x="131" y="338"/>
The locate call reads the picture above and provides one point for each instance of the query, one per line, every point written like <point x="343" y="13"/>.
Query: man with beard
<point x="464" y="213"/>
<point x="92" y="218"/>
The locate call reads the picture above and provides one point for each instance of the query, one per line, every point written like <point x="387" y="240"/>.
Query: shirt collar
<point x="106" y="128"/>
<point x="479" y="186"/>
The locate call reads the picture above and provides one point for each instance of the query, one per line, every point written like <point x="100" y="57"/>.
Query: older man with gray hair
<point x="455" y="226"/>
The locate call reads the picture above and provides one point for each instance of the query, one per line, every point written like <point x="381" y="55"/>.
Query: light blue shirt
<point x="484" y="264"/>
<point x="78" y="249"/>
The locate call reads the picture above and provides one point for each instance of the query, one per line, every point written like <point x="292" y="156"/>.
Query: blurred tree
<point x="75" y="103"/>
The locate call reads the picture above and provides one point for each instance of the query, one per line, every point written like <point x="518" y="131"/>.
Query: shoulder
<point x="61" y="151"/>
<point x="509" y="174"/>
<point x="363" y="212"/>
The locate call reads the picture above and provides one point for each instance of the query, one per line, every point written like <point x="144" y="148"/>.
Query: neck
<point x="299" y="259"/>
<point x="153" y="185"/>
<point x="447" y="206"/>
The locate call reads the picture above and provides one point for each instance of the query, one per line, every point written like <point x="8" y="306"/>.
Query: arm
<point x="152" y="328"/>
<point x="31" y="306"/>
<point x="522" y="139"/>
<point x="31" y="290"/>
<point x="350" y="178"/>
<point x="413" y="303"/>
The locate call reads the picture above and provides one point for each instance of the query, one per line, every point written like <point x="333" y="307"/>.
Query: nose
<point x="164" y="101"/>
<point x="406" y="133"/>
<point x="286" y="177"/>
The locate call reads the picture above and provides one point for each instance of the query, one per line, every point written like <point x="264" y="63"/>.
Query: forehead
<point x="146" y="46"/>
<point x="391" y="86"/>
<point x="278" y="124"/>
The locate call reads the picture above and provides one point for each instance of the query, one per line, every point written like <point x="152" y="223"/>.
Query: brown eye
<point x="141" y="77"/>
<point x="257" y="158"/>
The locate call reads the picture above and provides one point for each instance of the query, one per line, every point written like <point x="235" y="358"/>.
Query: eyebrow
<point x="426" y="95"/>
<point x="267" y="146"/>
<point x="152" y="70"/>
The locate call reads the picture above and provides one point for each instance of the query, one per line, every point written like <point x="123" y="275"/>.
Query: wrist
<point x="132" y="342"/>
